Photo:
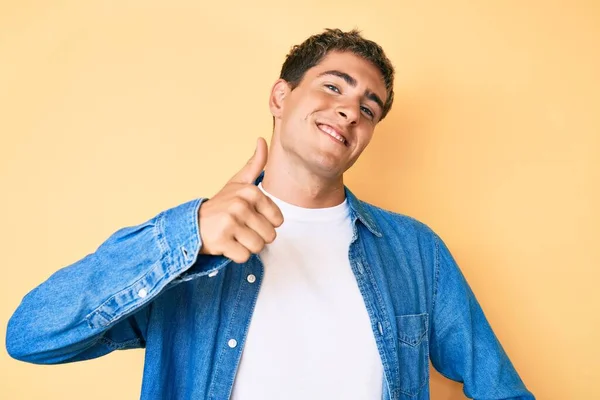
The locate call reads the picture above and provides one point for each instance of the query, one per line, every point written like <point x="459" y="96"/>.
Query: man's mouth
<point x="332" y="132"/>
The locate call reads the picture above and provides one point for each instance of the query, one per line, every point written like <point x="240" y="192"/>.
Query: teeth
<point x="331" y="132"/>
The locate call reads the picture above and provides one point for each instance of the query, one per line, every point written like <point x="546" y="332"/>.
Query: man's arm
<point x="463" y="346"/>
<point x="100" y="303"/>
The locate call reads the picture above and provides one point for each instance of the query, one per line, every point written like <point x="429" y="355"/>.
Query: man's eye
<point x="332" y="88"/>
<point x="367" y="111"/>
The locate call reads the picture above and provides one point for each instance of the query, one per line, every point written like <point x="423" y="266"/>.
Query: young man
<point x="343" y="300"/>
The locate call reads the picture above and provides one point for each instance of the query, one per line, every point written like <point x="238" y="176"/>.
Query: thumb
<point x="255" y="164"/>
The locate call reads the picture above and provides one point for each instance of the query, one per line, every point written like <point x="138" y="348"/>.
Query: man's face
<point x="328" y="119"/>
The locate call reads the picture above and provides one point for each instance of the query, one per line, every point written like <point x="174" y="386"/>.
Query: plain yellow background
<point x="113" y="111"/>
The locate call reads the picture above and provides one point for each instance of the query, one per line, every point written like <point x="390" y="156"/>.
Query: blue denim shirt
<point x="148" y="287"/>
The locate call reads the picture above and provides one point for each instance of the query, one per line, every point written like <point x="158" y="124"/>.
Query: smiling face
<point x="325" y="123"/>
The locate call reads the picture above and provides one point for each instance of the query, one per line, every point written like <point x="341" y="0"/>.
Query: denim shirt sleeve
<point x="102" y="302"/>
<point x="463" y="346"/>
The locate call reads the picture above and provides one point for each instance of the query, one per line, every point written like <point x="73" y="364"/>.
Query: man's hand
<point x="240" y="219"/>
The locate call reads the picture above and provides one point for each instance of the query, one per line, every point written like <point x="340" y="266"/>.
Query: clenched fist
<point x="240" y="219"/>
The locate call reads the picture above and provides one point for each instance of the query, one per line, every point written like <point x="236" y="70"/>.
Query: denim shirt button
<point x="232" y="343"/>
<point x="251" y="278"/>
<point x="142" y="293"/>
<point x="212" y="274"/>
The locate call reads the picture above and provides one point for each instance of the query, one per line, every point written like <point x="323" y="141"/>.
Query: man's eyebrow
<point x="349" y="80"/>
<point x="352" y="82"/>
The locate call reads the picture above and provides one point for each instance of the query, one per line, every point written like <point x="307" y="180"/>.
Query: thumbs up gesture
<point x="240" y="219"/>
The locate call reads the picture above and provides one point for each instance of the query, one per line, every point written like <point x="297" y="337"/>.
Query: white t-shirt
<point x="310" y="336"/>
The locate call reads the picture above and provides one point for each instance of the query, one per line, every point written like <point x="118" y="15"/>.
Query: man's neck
<point x="302" y="188"/>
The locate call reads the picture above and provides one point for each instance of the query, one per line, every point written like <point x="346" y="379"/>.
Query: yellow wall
<point x="113" y="111"/>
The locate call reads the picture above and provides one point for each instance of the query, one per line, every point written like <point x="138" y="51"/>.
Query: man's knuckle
<point x="251" y="192"/>
<point x="271" y="235"/>
<point x="243" y="257"/>
<point x="278" y="218"/>
<point x="238" y="205"/>
<point x="257" y="246"/>
<point x="229" y="221"/>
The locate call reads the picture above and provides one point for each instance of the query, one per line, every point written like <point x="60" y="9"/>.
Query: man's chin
<point x="329" y="168"/>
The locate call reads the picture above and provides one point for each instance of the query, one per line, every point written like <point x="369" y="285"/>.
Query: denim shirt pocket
<point x="413" y="352"/>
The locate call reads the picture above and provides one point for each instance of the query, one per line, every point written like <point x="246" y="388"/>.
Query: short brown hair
<point x="309" y="53"/>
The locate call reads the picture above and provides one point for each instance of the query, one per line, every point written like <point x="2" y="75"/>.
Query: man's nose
<point x="349" y="113"/>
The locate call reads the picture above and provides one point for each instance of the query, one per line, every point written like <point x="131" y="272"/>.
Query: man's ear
<point x="279" y="92"/>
